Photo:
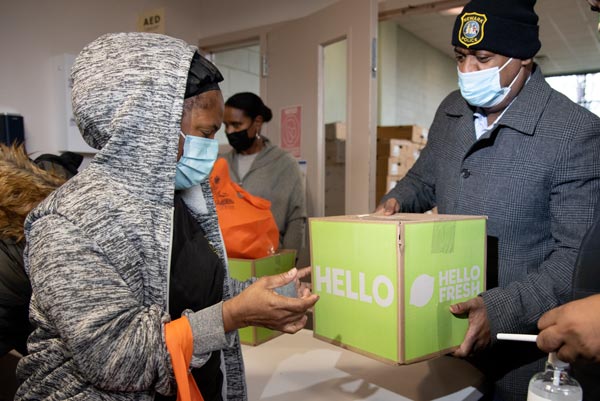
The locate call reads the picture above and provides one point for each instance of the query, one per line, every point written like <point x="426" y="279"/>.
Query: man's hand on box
<point x="573" y="330"/>
<point x="388" y="207"/>
<point x="260" y="305"/>
<point x="478" y="334"/>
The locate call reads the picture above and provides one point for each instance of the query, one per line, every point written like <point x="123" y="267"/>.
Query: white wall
<point x="33" y="32"/>
<point x="241" y="73"/>
<point x="414" y="77"/>
<point x="240" y="69"/>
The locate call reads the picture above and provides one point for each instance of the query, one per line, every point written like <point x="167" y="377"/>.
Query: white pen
<point x="517" y="337"/>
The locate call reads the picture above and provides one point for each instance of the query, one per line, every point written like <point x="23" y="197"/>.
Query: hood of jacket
<point x="128" y="92"/>
<point x="127" y="97"/>
<point x="269" y="154"/>
<point x="24" y="185"/>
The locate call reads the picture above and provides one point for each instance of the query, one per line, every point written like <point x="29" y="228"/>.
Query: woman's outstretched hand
<point x="260" y="305"/>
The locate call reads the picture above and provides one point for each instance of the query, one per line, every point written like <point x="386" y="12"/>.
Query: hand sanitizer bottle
<point x="554" y="384"/>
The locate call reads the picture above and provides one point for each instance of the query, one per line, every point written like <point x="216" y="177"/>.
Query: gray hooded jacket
<point x="99" y="248"/>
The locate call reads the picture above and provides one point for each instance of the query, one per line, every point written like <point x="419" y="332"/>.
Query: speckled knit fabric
<point x="99" y="248"/>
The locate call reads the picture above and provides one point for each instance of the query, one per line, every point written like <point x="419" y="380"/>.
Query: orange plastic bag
<point x="248" y="227"/>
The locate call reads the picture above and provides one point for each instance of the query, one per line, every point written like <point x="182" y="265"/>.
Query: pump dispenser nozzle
<point x="555" y="383"/>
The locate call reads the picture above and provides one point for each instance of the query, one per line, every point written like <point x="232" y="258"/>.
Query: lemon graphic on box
<point x="421" y="290"/>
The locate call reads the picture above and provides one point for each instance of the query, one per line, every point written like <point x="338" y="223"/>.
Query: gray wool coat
<point x="98" y="251"/>
<point x="537" y="178"/>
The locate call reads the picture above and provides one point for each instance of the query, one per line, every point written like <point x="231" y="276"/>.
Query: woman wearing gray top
<point x="264" y="169"/>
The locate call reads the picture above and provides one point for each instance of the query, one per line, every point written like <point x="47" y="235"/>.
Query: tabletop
<point x="301" y="367"/>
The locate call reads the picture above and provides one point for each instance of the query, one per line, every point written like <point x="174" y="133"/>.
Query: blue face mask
<point x="482" y="88"/>
<point x="196" y="163"/>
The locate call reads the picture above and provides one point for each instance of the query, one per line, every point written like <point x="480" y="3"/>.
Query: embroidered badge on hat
<point x="471" y="28"/>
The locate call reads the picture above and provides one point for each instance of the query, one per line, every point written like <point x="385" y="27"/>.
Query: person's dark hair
<point x="251" y="105"/>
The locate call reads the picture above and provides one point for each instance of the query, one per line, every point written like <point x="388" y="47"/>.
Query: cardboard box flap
<point x="398" y="218"/>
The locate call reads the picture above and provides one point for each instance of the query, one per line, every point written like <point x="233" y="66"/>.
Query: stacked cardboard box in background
<point x="398" y="148"/>
<point x="335" y="169"/>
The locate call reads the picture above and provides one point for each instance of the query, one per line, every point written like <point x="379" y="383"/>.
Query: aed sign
<point x="152" y="21"/>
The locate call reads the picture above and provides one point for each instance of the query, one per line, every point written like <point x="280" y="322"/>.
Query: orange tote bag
<point x="248" y="227"/>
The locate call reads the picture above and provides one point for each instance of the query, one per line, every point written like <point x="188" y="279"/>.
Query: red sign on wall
<point x="291" y="129"/>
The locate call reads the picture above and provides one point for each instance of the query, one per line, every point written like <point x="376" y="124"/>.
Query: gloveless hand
<point x="260" y="305"/>
<point x="478" y="334"/>
<point x="572" y="330"/>
<point x="388" y="207"/>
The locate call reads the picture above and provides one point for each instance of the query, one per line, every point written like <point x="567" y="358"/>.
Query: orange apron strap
<point x="180" y="344"/>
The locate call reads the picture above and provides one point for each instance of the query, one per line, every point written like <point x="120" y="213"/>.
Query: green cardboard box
<point x="243" y="269"/>
<point x="386" y="282"/>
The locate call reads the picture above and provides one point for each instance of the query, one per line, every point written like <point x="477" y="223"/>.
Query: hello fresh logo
<point x="339" y="282"/>
<point x="454" y="284"/>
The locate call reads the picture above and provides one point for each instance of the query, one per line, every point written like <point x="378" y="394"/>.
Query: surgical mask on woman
<point x="482" y="88"/>
<point x="196" y="163"/>
<point x="240" y="140"/>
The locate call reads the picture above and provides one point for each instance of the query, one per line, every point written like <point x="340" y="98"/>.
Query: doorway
<point x="335" y="75"/>
<point x="292" y="78"/>
<point x="240" y="67"/>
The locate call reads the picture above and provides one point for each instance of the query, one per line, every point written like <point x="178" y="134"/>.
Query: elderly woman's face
<point x="202" y="116"/>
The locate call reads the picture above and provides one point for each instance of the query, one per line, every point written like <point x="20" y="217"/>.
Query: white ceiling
<point x="568" y="32"/>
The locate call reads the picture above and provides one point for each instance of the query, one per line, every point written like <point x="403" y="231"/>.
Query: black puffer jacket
<point x="23" y="185"/>
<point x="15" y="292"/>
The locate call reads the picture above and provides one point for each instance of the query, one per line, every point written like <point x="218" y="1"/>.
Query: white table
<point x="300" y="368"/>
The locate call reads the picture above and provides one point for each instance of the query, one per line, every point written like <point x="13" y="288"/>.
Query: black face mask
<point x="240" y="140"/>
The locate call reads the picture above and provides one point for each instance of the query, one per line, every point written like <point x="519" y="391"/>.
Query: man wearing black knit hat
<point x="509" y="147"/>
